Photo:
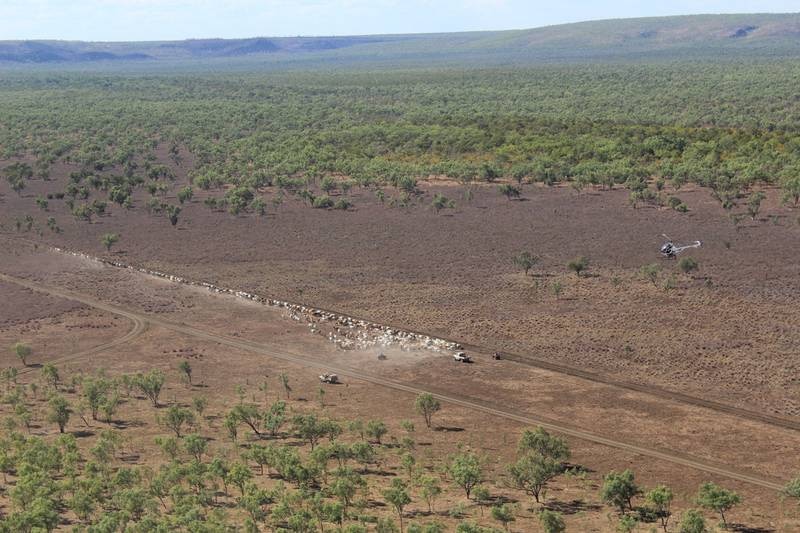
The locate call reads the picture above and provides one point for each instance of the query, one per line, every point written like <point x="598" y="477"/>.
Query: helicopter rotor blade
<point x="695" y="244"/>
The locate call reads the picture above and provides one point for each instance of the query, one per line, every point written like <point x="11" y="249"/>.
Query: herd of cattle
<point x="345" y="331"/>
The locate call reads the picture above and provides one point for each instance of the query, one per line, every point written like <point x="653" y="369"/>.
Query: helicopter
<point x="669" y="249"/>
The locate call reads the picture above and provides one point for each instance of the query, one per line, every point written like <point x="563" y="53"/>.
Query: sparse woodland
<point x="268" y="462"/>
<point x="727" y="127"/>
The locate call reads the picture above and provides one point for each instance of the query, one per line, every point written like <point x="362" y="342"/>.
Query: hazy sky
<point x="119" y="20"/>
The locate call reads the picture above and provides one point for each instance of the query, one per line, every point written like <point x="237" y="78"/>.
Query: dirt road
<point x="478" y="405"/>
<point x="568" y="370"/>
<point x="139" y="327"/>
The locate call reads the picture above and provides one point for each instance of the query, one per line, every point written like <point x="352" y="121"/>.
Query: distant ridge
<point x="79" y="51"/>
<point x="693" y="36"/>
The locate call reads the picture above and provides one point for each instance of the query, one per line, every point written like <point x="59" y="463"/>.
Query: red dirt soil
<point x="727" y="333"/>
<point x="574" y="401"/>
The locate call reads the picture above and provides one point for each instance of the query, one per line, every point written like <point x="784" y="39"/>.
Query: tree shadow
<point x="741" y="528"/>
<point x="449" y="429"/>
<point x="375" y="504"/>
<point x="66" y="521"/>
<point x="125" y="424"/>
<point x="379" y="473"/>
<point x="577" y="468"/>
<point x="572" y="507"/>
<point x="501" y="499"/>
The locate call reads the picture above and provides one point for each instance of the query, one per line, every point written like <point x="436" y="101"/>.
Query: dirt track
<point x="485" y="407"/>
<point x="651" y="390"/>
<point x="139" y="326"/>
<point x="727" y="334"/>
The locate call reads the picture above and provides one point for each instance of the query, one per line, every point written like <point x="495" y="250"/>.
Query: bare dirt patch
<point x="726" y="332"/>
<point x="218" y="369"/>
<point x="21" y="305"/>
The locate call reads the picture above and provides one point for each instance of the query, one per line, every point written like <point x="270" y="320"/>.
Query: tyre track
<point x="476" y="405"/>
<point x="139" y="327"/>
<point x="649" y="389"/>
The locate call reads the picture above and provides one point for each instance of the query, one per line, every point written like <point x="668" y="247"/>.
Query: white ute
<point x="461" y="357"/>
<point x="329" y="378"/>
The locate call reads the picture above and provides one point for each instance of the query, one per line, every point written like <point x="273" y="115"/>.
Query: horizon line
<point x="354" y="35"/>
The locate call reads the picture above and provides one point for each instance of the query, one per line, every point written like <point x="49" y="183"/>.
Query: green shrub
<point x="509" y="191"/>
<point x="578" y="265"/>
<point x="322" y="202"/>
<point x="343" y="203"/>
<point x="687" y="265"/>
